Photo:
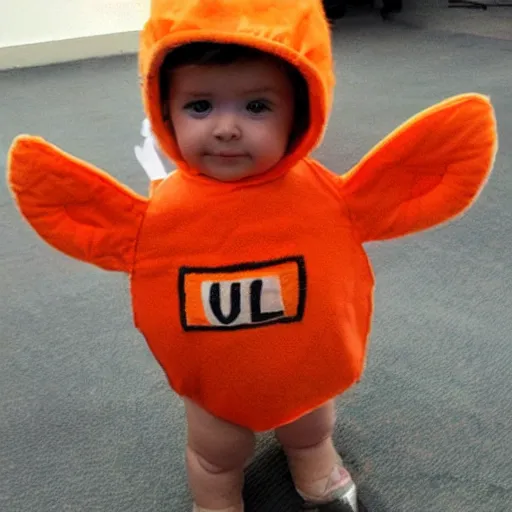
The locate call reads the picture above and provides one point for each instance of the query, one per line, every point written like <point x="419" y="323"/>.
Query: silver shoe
<point x="344" y="499"/>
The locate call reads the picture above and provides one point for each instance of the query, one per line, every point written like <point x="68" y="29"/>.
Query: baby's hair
<point x="223" y="54"/>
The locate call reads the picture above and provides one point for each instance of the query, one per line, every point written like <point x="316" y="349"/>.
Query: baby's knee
<point x="219" y="446"/>
<point x="219" y="457"/>
<point x="222" y="455"/>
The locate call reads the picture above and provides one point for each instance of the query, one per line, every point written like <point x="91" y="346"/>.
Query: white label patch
<point x="244" y="301"/>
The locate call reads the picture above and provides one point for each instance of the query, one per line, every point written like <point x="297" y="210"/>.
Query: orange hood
<point x="297" y="31"/>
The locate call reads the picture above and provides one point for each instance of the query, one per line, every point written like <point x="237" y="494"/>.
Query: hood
<point x="297" y="31"/>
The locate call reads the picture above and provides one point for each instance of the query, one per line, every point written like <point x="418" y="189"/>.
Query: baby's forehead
<point x="250" y="75"/>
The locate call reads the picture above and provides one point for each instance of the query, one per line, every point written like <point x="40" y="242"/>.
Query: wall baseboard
<point x="53" y="52"/>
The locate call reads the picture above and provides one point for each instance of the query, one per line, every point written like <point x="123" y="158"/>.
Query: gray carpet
<point x="87" y="422"/>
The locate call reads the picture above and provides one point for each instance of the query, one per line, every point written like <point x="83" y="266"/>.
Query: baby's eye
<point x="200" y="107"/>
<point x="257" y="107"/>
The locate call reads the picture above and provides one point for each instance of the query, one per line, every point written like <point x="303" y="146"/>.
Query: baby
<point x="249" y="279"/>
<point x="235" y="112"/>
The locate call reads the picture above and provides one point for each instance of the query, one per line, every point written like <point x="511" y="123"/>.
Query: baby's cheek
<point x="189" y="140"/>
<point x="273" y="135"/>
<point x="185" y="127"/>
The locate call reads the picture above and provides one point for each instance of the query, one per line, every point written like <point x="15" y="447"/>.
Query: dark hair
<point x="223" y="54"/>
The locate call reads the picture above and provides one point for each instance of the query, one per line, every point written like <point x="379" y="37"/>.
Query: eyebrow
<point x="197" y="94"/>
<point x="258" y="90"/>
<point x="261" y="90"/>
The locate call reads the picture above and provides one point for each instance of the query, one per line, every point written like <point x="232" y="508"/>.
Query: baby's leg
<point x="216" y="455"/>
<point x="314" y="463"/>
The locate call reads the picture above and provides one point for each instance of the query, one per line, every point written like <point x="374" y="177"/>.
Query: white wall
<point x="34" y="21"/>
<point x="40" y="32"/>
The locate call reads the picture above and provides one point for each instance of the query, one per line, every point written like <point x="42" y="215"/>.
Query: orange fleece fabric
<point x="256" y="296"/>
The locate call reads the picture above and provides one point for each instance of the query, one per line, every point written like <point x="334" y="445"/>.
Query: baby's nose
<point x="227" y="127"/>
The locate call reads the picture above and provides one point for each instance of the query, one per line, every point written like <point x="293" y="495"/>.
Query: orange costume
<point x="256" y="296"/>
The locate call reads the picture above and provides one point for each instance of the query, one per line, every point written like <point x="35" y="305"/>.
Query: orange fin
<point x="426" y="172"/>
<point x="76" y="208"/>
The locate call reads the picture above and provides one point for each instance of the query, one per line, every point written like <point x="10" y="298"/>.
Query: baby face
<point x="232" y="121"/>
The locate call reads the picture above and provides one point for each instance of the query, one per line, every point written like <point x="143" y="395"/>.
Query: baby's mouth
<point x="228" y="154"/>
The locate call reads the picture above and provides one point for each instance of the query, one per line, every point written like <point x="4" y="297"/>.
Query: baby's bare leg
<point x="312" y="457"/>
<point x="216" y="454"/>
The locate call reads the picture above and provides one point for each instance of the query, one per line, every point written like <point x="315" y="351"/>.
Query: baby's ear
<point x="73" y="206"/>
<point x="426" y="172"/>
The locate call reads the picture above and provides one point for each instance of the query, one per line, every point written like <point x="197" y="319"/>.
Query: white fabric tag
<point x="147" y="155"/>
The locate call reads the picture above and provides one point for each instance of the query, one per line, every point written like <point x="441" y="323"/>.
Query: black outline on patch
<point x="299" y="260"/>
